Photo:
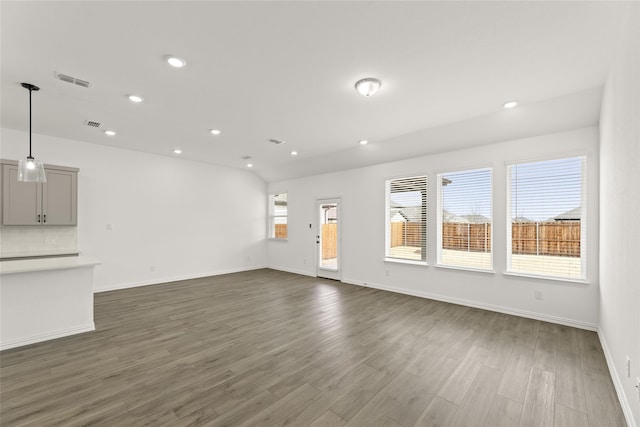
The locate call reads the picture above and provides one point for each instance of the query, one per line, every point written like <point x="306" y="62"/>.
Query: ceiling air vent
<point x="73" y="80"/>
<point x="245" y="157"/>
<point x="275" y="141"/>
<point x="93" y="124"/>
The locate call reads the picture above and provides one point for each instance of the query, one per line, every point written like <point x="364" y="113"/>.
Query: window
<point x="406" y="219"/>
<point x="546" y="223"/>
<point x="278" y="216"/>
<point x="464" y="219"/>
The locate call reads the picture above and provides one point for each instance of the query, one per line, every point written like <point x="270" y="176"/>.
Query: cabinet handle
<point x="38" y="217"/>
<point x="45" y="218"/>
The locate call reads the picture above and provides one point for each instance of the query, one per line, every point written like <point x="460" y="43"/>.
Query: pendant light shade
<point x="30" y="169"/>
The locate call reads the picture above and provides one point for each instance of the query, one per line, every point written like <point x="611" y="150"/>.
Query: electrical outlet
<point x="152" y="268"/>
<point x="537" y="294"/>
<point x="628" y="367"/>
<point x="304" y="261"/>
<point x="386" y="273"/>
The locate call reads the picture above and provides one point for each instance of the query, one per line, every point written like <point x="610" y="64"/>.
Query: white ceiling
<point x="259" y="70"/>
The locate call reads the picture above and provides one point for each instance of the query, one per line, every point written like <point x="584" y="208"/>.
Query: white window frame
<point x="583" y="221"/>
<point x="387" y="249"/>
<point x="439" y="219"/>
<point x="273" y="217"/>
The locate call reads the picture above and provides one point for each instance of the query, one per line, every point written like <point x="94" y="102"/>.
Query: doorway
<point x="328" y="239"/>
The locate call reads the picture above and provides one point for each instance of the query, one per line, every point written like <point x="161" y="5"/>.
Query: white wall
<point x="363" y="216"/>
<point x="620" y="218"/>
<point x="187" y="219"/>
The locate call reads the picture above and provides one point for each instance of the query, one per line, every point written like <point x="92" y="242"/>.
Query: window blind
<point x="546" y="222"/>
<point x="406" y="218"/>
<point x="465" y="219"/>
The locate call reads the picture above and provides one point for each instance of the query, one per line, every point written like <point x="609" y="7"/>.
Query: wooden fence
<point x="406" y="234"/>
<point x="468" y="237"/>
<point x="329" y="241"/>
<point x="559" y="238"/>
<point x="546" y="238"/>
<point x="281" y="231"/>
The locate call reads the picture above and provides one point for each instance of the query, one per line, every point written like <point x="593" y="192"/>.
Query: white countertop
<point x="42" y="253"/>
<point x="43" y="264"/>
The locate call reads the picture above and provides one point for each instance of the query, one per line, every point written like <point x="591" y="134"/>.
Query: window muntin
<point x="278" y="227"/>
<point x="465" y="219"/>
<point x="546" y="225"/>
<point x="406" y="219"/>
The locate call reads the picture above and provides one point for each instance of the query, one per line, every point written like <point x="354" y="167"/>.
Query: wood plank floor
<point x="267" y="348"/>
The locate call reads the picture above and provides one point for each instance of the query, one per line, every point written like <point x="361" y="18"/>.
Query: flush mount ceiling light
<point x="363" y="142"/>
<point x="110" y="132"/>
<point x="175" y="61"/>
<point x="215" y="131"/>
<point x="294" y="153"/>
<point x="30" y="169"/>
<point x="368" y="86"/>
<point x="249" y="165"/>
<point x="510" y="104"/>
<point x="177" y="151"/>
<point x="136" y="98"/>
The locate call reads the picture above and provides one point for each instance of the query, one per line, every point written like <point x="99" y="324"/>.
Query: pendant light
<point x="30" y="169"/>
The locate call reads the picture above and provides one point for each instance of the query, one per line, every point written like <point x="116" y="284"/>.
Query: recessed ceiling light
<point x="215" y="131"/>
<point x="510" y="104"/>
<point x="368" y="86"/>
<point x="175" y="61"/>
<point x="177" y="151"/>
<point x="249" y="165"/>
<point x="294" y="153"/>
<point x="135" y="98"/>
<point x="363" y="142"/>
<point x="110" y="132"/>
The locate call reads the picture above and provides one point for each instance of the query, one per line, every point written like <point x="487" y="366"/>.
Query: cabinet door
<point x="21" y="201"/>
<point x="60" y="198"/>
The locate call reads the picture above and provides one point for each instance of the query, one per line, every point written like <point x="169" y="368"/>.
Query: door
<point x="328" y="239"/>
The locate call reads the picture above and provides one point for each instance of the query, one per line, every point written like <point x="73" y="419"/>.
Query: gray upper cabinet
<point x="52" y="203"/>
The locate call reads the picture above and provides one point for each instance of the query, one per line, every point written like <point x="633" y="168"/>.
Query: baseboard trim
<point x="160" y="280"/>
<point x="292" y="270"/>
<point x="48" y="336"/>
<point x="617" y="383"/>
<point x="470" y="303"/>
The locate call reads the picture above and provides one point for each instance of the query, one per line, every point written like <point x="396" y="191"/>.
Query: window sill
<point x="543" y="277"/>
<point x="456" y="267"/>
<point x="406" y="261"/>
<point x="273" y="239"/>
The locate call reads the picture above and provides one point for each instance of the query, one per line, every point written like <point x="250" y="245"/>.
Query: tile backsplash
<point x="37" y="241"/>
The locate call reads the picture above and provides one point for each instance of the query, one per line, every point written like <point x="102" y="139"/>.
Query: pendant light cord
<point x="30" y="88"/>
<point x="30" y="156"/>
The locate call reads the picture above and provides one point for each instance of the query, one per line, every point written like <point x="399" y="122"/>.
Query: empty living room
<point x="320" y="213"/>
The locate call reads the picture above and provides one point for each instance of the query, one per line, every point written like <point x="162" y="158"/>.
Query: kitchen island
<point x="45" y="298"/>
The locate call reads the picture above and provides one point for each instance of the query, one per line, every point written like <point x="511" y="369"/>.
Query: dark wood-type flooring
<point x="268" y="348"/>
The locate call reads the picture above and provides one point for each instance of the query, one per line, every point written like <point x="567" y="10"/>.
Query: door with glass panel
<point x="328" y="239"/>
